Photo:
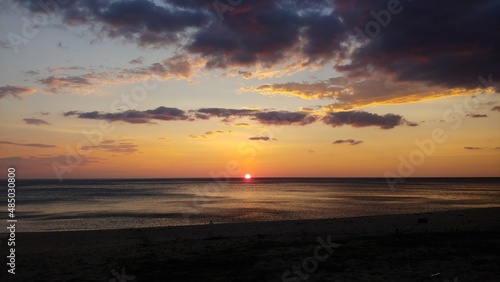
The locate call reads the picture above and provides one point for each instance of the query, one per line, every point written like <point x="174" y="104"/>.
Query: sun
<point x="248" y="176"/>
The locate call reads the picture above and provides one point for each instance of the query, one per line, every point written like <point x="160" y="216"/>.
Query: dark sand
<point x="455" y="246"/>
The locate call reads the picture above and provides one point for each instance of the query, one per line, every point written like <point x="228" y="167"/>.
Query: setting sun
<point x="248" y="176"/>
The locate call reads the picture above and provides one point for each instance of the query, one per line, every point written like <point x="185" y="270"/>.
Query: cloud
<point x="261" y="138"/>
<point x="114" y="147"/>
<point x="206" y="113"/>
<point x="496" y="108"/>
<point x="264" y="117"/>
<point x="409" y="60"/>
<point x="284" y="118"/>
<point x="241" y="124"/>
<point x="137" y="61"/>
<point x="35" y="145"/>
<point x="211" y="134"/>
<point x="363" y="119"/>
<point x="477" y="115"/>
<point x="15" y="91"/>
<point x="473" y="148"/>
<point x="145" y="23"/>
<point x="134" y="116"/>
<point x="65" y="69"/>
<point x="350" y="141"/>
<point x="319" y="90"/>
<point x="69" y="80"/>
<point x="269" y="33"/>
<point x="353" y="93"/>
<point x="57" y="84"/>
<point x="35" y="121"/>
<point x="89" y="80"/>
<point x="5" y="44"/>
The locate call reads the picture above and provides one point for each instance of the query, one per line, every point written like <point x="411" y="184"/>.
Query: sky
<point x="274" y="88"/>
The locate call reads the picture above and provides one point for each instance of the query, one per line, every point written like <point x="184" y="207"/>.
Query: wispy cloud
<point x="114" y="147"/>
<point x="473" y="148"/>
<point x="241" y="124"/>
<point x="348" y="141"/>
<point x="261" y="138"/>
<point x="15" y="91"/>
<point x="35" y="121"/>
<point x="354" y="93"/>
<point x="36" y="145"/>
<point x="477" y="115"/>
<point x="137" y="61"/>
<point x="211" y="134"/>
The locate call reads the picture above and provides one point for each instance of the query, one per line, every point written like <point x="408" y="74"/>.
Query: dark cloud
<point x="450" y="48"/>
<point x="142" y="22"/>
<point x="349" y="141"/>
<point x="36" y="145"/>
<point x="14" y="91"/>
<point x="363" y="119"/>
<point x="261" y="138"/>
<point x="134" y="116"/>
<point x="222" y="112"/>
<point x="496" y="108"/>
<point x="265" y="117"/>
<point x="284" y="118"/>
<point x="35" y="121"/>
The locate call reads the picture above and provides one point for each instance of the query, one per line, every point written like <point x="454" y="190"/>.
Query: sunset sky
<point x="185" y="88"/>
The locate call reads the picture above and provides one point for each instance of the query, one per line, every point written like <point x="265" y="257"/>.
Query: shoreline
<point x="371" y="224"/>
<point x="411" y="247"/>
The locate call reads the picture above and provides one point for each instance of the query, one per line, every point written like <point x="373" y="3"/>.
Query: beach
<point x="460" y="245"/>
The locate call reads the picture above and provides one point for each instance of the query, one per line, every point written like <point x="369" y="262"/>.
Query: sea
<point x="96" y="204"/>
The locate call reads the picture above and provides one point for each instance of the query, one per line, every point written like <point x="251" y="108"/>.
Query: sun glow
<point x="248" y="176"/>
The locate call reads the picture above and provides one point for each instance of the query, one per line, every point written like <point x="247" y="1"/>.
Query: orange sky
<point x="198" y="95"/>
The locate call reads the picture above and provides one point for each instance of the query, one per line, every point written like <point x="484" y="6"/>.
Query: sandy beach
<point x="459" y="245"/>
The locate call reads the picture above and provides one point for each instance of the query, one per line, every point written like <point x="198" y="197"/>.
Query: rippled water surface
<point x="46" y="205"/>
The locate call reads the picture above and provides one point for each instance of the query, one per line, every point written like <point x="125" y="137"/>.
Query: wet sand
<point x="462" y="245"/>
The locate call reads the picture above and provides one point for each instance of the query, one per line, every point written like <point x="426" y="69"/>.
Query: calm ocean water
<point x="47" y="205"/>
